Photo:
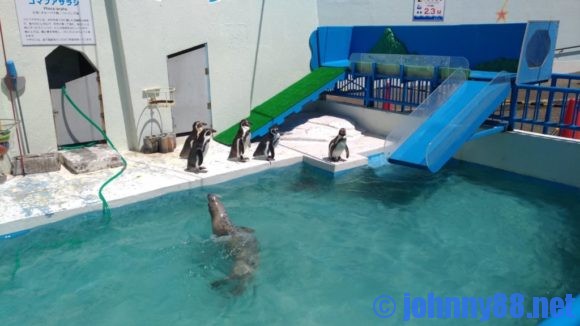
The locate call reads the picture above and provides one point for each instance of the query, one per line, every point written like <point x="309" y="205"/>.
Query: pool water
<point x="329" y="247"/>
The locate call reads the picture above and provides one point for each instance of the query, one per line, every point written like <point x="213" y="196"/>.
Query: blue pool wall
<point x="479" y="43"/>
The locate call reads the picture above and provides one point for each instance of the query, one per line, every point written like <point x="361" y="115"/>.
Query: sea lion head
<point x="220" y="221"/>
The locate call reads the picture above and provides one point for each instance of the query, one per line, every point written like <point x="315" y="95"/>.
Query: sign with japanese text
<point x="429" y="10"/>
<point x="55" y="22"/>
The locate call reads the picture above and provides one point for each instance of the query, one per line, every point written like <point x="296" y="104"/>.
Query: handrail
<point x="561" y="52"/>
<point x="567" y="48"/>
<point x="549" y="88"/>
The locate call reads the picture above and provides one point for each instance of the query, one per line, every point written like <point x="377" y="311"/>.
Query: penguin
<point x="196" y="129"/>
<point x="337" y="146"/>
<point x="268" y="144"/>
<point x="198" y="151"/>
<point x="241" y="143"/>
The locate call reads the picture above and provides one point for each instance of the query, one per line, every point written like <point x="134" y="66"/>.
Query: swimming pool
<point x="329" y="247"/>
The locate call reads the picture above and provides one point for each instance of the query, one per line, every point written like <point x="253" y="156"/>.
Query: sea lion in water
<point x="240" y="243"/>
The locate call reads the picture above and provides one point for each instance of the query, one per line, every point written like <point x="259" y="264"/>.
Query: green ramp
<point x="288" y="101"/>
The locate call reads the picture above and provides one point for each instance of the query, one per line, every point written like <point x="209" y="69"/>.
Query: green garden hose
<point x="106" y="208"/>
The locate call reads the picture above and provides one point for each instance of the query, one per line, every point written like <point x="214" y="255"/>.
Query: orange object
<point x="571" y="107"/>
<point x="3" y="150"/>
<point x="387" y="105"/>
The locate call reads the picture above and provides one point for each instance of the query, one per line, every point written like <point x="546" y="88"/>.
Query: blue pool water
<point x="329" y="247"/>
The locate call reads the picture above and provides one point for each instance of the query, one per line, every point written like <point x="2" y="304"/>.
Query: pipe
<point x="20" y="148"/>
<point x="256" y="55"/>
<point x="13" y="75"/>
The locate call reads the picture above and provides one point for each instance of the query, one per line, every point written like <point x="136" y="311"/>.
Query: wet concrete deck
<point x="39" y="199"/>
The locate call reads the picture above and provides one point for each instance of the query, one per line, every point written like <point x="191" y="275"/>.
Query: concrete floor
<point x="38" y="199"/>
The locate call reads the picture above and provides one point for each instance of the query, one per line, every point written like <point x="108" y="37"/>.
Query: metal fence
<point x="390" y="93"/>
<point x="551" y="108"/>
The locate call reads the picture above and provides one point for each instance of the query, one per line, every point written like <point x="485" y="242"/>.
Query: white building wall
<point x="284" y="53"/>
<point x="151" y="30"/>
<point x="154" y="29"/>
<point x="133" y="41"/>
<point x="36" y="103"/>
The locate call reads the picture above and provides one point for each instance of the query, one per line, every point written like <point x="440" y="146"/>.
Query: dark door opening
<point x="70" y="68"/>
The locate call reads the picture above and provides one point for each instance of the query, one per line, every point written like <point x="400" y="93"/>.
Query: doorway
<point x="70" y="68"/>
<point x="188" y="73"/>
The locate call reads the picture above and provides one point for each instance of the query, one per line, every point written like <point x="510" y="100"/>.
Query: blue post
<point x="435" y="79"/>
<point x="369" y="87"/>
<point x="404" y="86"/>
<point x="513" y="106"/>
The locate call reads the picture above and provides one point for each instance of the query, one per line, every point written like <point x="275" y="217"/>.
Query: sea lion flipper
<point x="238" y="289"/>
<point x="219" y="283"/>
<point x="246" y="229"/>
<point x="235" y="287"/>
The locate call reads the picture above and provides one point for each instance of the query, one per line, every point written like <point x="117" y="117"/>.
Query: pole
<point x="10" y="86"/>
<point x="256" y="56"/>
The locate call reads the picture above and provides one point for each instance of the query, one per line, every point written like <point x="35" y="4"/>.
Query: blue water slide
<point x="460" y="107"/>
<point x="424" y="111"/>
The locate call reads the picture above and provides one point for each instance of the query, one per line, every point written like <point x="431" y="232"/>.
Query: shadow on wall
<point x="151" y="126"/>
<point x="20" y="86"/>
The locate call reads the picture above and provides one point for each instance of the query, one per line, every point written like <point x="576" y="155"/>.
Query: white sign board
<point x="433" y="10"/>
<point x="55" y="22"/>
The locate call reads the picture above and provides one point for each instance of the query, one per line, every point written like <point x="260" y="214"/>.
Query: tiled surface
<point x="39" y="199"/>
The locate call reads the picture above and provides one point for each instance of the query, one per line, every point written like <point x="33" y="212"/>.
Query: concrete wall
<point x="375" y="122"/>
<point x="540" y="156"/>
<point x="384" y="12"/>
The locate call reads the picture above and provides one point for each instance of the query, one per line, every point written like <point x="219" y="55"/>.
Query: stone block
<point x="42" y="163"/>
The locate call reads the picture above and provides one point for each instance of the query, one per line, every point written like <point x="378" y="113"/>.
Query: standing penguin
<point x="241" y="143"/>
<point x="337" y="146"/>
<point x="196" y="130"/>
<point x="198" y="151"/>
<point x="267" y="144"/>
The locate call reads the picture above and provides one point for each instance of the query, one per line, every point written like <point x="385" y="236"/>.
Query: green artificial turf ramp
<point x="283" y="101"/>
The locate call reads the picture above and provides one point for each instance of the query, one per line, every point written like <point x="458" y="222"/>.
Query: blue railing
<point x="388" y="93"/>
<point x="396" y="82"/>
<point x="552" y="110"/>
